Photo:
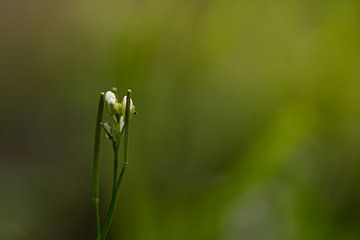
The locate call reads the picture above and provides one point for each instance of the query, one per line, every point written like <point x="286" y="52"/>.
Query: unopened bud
<point x="112" y="102"/>
<point x="110" y="98"/>
<point x="122" y="123"/>
<point x="132" y="106"/>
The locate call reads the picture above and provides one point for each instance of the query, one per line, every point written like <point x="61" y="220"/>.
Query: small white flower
<point x="132" y="106"/>
<point x="112" y="103"/>
<point x="110" y="98"/>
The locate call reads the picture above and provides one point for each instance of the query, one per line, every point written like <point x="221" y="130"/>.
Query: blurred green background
<point x="248" y="122"/>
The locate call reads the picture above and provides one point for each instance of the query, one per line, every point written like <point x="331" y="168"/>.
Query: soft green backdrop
<point x="248" y="122"/>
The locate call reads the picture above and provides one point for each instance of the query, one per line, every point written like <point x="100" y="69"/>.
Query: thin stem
<point x="114" y="197"/>
<point x="116" y="148"/>
<point x="126" y="125"/>
<point x="113" y="204"/>
<point x="96" y="165"/>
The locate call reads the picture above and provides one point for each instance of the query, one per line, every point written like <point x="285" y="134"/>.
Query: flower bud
<point x="112" y="103"/>
<point x="110" y="98"/>
<point x="132" y="106"/>
<point x="122" y="123"/>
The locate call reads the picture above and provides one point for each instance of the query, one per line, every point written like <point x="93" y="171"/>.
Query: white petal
<point x="110" y="98"/>
<point x="122" y="123"/>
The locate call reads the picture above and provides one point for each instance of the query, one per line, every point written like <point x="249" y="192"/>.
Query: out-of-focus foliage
<point x="248" y="124"/>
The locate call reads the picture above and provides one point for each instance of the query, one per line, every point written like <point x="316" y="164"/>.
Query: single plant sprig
<point x="120" y="114"/>
<point x="129" y="112"/>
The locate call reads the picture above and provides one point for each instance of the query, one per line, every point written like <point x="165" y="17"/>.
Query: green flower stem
<point x="126" y="124"/>
<point x="116" y="148"/>
<point x="113" y="204"/>
<point x="114" y="197"/>
<point x="96" y="165"/>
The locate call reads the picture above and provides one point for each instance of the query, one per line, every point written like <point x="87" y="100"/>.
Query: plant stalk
<point x="96" y="165"/>
<point x="114" y="197"/>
